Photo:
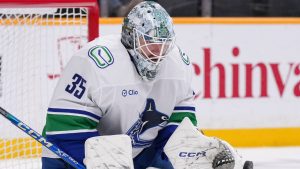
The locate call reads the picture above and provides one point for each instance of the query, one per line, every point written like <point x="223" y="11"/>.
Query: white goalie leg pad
<point x="113" y="152"/>
<point x="188" y="148"/>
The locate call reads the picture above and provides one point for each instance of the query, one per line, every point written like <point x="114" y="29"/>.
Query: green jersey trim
<point x="57" y="122"/>
<point x="179" y="116"/>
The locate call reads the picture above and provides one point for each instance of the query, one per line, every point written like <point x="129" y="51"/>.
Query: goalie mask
<point x="148" y="35"/>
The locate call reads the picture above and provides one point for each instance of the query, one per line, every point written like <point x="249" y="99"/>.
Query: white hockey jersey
<point x="101" y="89"/>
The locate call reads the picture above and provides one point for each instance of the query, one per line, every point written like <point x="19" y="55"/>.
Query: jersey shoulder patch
<point x="184" y="57"/>
<point x="101" y="55"/>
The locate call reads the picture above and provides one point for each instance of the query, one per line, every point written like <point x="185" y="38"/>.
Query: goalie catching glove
<point x="224" y="159"/>
<point x="188" y="148"/>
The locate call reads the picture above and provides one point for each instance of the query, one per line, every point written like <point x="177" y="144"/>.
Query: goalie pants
<point x="139" y="162"/>
<point x="152" y="156"/>
<point x="55" y="163"/>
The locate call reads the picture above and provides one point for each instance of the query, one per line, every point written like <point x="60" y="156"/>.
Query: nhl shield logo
<point x="101" y="56"/>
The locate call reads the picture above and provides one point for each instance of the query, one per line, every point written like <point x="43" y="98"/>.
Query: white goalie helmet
<point x="148" y="35"/>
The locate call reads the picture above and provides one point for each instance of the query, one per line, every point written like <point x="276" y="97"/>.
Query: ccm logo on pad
<point x="192" y="154"/>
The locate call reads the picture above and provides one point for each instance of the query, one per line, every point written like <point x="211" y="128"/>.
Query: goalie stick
<point x="41" y="139"/>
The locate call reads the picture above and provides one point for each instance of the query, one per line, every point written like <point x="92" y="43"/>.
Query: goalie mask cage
<point x="38" y="37"/>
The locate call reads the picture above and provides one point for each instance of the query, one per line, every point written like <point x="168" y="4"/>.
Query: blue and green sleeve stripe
<point x="70" y="128"/>
<point x="180" y="112"/>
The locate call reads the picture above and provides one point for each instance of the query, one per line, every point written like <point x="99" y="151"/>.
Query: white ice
<point x="263" y="158"/>
<point x="273" y="158"/>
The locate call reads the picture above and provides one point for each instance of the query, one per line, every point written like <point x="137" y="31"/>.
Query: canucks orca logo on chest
<point x="148" y="119"/>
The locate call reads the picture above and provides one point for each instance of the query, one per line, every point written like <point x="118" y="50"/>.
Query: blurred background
<point x="210" y="8"/>
<point x="257" y="33"/>
<point x="245" y="55"/>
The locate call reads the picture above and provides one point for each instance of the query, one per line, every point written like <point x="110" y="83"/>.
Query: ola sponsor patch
<point x="101" y="56"/>
<point x="184" y="57"/>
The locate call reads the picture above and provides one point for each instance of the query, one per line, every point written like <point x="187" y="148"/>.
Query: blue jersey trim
<point x="72" y="136"/>
<point x="72" y="144"/>
<point x="185" y="108"/>
<point x="74" y="111"/>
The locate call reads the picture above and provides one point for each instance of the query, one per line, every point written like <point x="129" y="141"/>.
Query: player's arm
<point x="72" y="116"/>
<point x="185" y="145"/>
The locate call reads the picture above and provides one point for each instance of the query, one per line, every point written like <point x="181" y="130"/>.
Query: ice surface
<point x="273" y="158"/>
<point x="263" y="158"/>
